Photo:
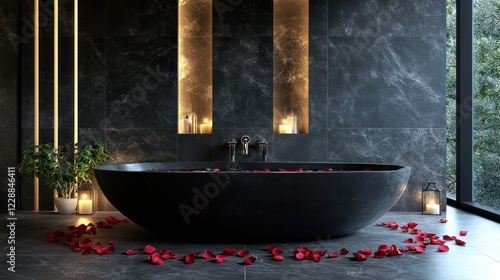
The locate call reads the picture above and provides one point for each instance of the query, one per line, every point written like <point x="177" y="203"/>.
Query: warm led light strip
<point x="75" y="73"/>
<point x="56" y="74"/>
<point x="36" y="115"/>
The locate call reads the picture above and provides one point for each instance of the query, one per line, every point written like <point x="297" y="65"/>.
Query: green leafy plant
<point x="65" y="169"/>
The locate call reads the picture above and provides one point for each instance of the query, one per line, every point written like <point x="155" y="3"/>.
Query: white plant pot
<point x="66" y="205"/>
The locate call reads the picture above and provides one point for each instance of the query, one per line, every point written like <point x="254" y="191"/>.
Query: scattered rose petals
<point x="463" y="233"/>
<point x="443" y="220"/>
<point x="344" y="251"/>
<point x="412" y="225"/>
<point x="249" y="260"/>
<point x="443" y="248"/>
<point x="379" y="254"/>
<point x="408" y="240"/>
<point x="419" y="249"/>
<point x="300" y="256"/>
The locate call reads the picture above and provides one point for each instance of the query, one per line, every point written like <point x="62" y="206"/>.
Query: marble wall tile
<point x="318" y="17"/>
<point x="242" y="82"/>
<point x="141" y="144"/>
<point x="141" y="80"/>
<point x="375" y="18"/>
<point x="387" y="82"/>
<point x="240" y="17"/>
<point x="149" y="18"/>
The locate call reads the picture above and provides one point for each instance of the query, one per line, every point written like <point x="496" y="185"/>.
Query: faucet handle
<point x="262" y="142"/>
<point x="232" y="142"/>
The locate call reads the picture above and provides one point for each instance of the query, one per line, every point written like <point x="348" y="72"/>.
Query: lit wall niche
<point x="195" y="66"/>
<point x="291" y="66"/>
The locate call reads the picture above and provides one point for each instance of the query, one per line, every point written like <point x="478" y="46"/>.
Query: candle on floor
<point x="432" y="208"/>
<point x="85" y="206"/>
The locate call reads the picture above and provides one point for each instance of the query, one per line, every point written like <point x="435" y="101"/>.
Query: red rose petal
<point x="300" y="256"/>
<point x="87" y="250"/>
<point x="365" y="252"/>
<point x="276" y="251"/>
<point x="412" y="225"/>
<point x="383" y="248"/>
<point x="189" y="259"/>
<point x="249" y="260"/>
<point x="443" y="220"/>
<point x="278" y="258"/>
<point x="344" y="251"/>
<point x="219" y="258"/>
<point x="316" y="257"/>
<point x="77" y="249"/>
<point x="408" y="240"/>
<point x="243" y="253"/>
<point x="270" y="247"/>
<point x="208" y="254"/>
<point x="359" y="256"/>
<point x="379" y="254"/>
<point x="131" y="252"/>
<point x="333" y="255"/>
<point x="111" y="241"/>
<point x="148" y="249"/>
<point x="72" y="242"/>
<point x="87" y="241"/>
<point x="463" y="233"/>
<point x="443" y="248"/>
<point x="229" y="251"/>
<point x="459" y="242"/>
<point x="155" y="258"/>
<point x="419" y="249"/>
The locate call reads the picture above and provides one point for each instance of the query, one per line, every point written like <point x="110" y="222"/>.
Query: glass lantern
<point x="431" y="199"/>
<point x="86" y="201"/>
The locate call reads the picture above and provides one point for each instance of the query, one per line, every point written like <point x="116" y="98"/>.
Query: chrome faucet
<point x="263" y="146"/>
<point x="232" y="149"/>
<point x="244" y="140"/>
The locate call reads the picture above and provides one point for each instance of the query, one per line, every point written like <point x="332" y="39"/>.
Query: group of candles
<point x="189" y="125"/>
<point x="290" y="125"/>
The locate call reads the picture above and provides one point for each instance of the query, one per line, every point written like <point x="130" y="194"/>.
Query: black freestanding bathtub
<point x="252" y="201"/>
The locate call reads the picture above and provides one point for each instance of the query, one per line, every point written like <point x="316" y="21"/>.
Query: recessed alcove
<point x="195" y="66"/>
<point x="291" y="66"/>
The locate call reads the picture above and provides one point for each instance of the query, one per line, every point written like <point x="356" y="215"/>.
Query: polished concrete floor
<point x="37" y="258"/>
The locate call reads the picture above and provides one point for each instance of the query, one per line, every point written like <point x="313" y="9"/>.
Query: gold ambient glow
<point x="195" y="65"/>
<point x="291" y="64"/>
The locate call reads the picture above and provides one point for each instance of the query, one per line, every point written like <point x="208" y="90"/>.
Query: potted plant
<point x="65" y="169"/>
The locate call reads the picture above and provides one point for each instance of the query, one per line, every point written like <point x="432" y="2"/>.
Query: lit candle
<point x="285" y="128"/>
<point x="206" y="127"/>
<point x="432" y="208"/>
<point x="84" y="205"/>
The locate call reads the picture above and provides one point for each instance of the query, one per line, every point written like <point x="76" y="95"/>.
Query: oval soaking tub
<point x="252" y="201"/>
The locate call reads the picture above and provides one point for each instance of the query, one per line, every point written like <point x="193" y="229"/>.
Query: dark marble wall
<point x="377" y="84"/>
<point x="9" y="50"/>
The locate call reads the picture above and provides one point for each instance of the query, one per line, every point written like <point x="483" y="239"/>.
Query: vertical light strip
<point x="56" y="74"/>
<point x="36" y="115"/>
<point x="75" y="73"/>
